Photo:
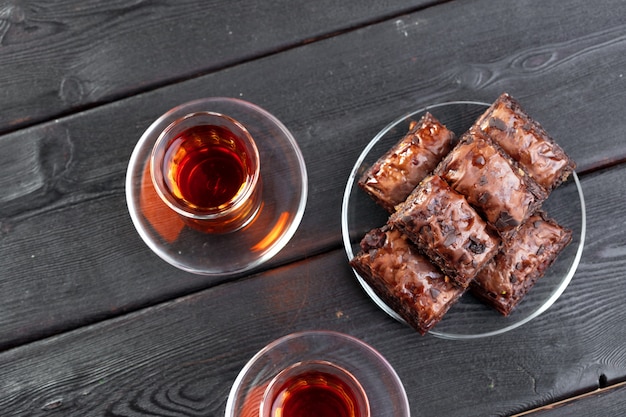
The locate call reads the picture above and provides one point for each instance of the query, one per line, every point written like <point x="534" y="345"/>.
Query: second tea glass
<point x="366" y="373"/>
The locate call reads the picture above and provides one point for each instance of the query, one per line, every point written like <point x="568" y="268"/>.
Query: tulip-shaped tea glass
<point x="205" y="167"/>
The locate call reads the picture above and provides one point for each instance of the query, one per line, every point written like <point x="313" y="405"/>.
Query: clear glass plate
<point x="284" y="195"/>
<point x="468" y="318"/>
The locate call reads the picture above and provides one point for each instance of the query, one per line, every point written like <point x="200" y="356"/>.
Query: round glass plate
<point x="284" y="194"/>
<point x="379" y="381"/>
<point x="468" y="318"/>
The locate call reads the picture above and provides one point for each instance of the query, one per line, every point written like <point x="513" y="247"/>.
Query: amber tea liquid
<point x="318" y="391"/>
<point x="206" y="168"/>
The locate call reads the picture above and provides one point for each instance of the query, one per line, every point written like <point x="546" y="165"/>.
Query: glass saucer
<point x="468" y="318"/>
<point x="284" y="194"/>
<point x="382" y="386"/>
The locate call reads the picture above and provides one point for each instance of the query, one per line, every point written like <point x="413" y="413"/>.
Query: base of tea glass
<point x="373" y="383"/>
<point x="184" y="243"/>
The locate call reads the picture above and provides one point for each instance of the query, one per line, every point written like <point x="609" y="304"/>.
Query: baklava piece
<point x="447" y="229"/>
<point x="506" y="123"/>
<point x="491" y="182"/>
<point x="393" y="176"/>
<point x="506" y="279"/>
<point x="404" y="279"/>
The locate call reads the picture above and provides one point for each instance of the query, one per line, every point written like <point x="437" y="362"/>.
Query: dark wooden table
<point x="92" y="323"/>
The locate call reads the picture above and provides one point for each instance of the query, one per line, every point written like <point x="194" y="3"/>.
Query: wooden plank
<point x="71" y="255"/>
<point x="181" y="357"/>
<point x="57" y="57"/>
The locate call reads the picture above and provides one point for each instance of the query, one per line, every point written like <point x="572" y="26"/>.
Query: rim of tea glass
<point x="380" y="382"/>
<point x="283" y="151"/>
<point x="237" y="200"/>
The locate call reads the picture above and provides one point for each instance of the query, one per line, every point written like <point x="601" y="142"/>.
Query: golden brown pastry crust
<point x="506" y="279"/>
<point x="405" y="279"/>
<point x="507" y="124"/>
<point x="395" y="174"/>
<point x="491" y="182"/>
<point x="447" y="229"/>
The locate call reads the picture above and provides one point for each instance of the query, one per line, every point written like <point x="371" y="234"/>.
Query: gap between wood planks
<point x="601" y="165"/>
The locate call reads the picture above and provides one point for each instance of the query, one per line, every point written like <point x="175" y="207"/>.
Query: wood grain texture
<point x="71" y="255"/>
<point x="115" y="331"/>
<point x="60" y="56"/>
<point x="180" y="357"/>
